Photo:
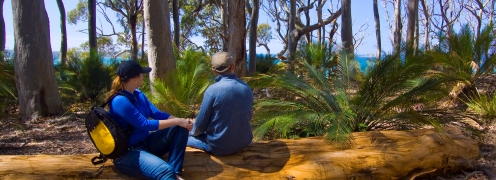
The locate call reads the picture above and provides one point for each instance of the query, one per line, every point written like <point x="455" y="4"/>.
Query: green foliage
<point x="182" y="90"/>
<point x="266" y="63"/>
<point x="8" y="93"/>
<point x="466" y="57"/>
<point x="392" y="90"/>
<point x="484" y="105"/>
<point x="314" y="103"/>
<point x="318" y="55"/>
<point x="80" y="13"/>
<point x="84" y="79"/>
<point x="264" y="33"/>
<point x="106" y="46"/>
<point x="318" y="103"/>
<point x="205" y="23"/>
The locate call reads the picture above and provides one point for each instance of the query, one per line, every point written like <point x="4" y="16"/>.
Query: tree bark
<point x="224" y="16"/>
<point x="376" y="155"/>
<point x="134" y="39"/>
<point x="143" y="29"/>
<point x="237" y="35"/>
<point x="412" y="26"/>
<point x="63" y="33"/>
<point x="160" y="52"/>
<point x="377" y="30"/>
<point x="292" y="41"/>
<point x="92" y="26"/>
<point x="426" y="25"/>
<point x="398" y="26"/>
<point x="253" y="37"/>
<point x="347" y="26"/>
<point x="177" y="28"/>
<point x="34" y="72"/>
<point x="2" y="32"/>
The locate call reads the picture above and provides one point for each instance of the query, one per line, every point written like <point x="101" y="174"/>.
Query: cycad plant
<point x="86" y="79"/>
<point x="266" y="63"/>
<point x="467" y="57"/>
<point x="318" y="55"/>
<point x="181" y="91"/>
<point x="317" y="105"/>
<point x="385" y="98"/>
<point x="485" y="106"/>
<point x="396" y="90"/>
<point x="8" y="92"/>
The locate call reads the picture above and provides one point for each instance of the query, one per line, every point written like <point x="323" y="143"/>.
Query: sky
<point x="361" y="13"/>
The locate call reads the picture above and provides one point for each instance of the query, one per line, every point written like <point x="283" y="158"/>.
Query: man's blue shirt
<point x="225" y="115"/>
<point x="141" y="114"/>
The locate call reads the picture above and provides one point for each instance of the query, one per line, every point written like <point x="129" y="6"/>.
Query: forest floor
<point x="66" y="135"/>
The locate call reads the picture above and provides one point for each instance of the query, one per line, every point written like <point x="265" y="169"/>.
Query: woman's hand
<point x="185" y="123"/>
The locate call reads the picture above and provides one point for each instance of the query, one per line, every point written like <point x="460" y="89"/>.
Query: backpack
<point x="108" y="137"/>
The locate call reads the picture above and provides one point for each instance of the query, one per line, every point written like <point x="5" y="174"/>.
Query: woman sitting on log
<point x="170" y="135"/>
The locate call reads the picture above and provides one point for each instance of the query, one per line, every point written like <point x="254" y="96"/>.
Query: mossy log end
<point x="375" y="155"/>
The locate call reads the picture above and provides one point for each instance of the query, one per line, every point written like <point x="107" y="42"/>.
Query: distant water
<point x="362" y="60"/>
<point x="106" y="60"/>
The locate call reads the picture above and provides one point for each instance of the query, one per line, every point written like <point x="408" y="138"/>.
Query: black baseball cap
<point x="129" y="69"/>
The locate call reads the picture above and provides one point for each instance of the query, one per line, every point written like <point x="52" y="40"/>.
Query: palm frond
<point x="182" y="89"/>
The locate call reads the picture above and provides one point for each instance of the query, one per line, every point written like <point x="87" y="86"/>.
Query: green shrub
<point x="181" y="91"/>
<point x="484" y="105"/>
<point x="85" y="79"/>
<point x="8" y="91"/>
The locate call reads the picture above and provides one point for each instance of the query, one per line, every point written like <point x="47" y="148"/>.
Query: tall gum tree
<point x="237" y="35"/>
<point x="34" y="72"/>
<point x="412" y="17"/>
<point x="346" y="26"/>
<point x="160" y="52"/>
<point x="253" y="36"/>
<point x="63" y="33"/>
<point x="2" y="31"/>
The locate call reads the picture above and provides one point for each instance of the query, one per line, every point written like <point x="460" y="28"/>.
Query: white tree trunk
<point x="397" y="26"/>
<point x="412" y="25"/>
<point x="35" y="75"/>
<point x="160" y="52"/>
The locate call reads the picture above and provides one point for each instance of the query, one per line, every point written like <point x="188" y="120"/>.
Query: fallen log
<point x="375" y="155"/>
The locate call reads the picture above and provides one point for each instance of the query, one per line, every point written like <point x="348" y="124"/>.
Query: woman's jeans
<point x="143" y="158"/>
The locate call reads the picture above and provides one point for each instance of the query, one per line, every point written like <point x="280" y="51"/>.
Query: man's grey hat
<point x="221" y="61"/>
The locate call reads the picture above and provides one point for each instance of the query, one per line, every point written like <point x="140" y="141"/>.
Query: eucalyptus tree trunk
<point x="2" y="32"/>
<point x="34" y="72"/>
<point x="177" y="28"/>
<point x="412" y="17"/>
<point x="92" y="26"/>
<point x="346" y="26"/>
<point x="237" y="35"/>
<point x="160" y="51"/>
<point x="63" y="33"/>
<point x="427" y="24"/>
<point x="134" y="38"/>
<point x="398" y="26"/>
<point x="292" y="42"/>
<point x="377" y="30"/>
<point x="321" y="32"/>
<point x="253" y="37"/>
<point x="143" y="29"/>
<point x="224" y="16"/>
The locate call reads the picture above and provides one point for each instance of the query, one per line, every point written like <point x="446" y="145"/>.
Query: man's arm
<point x="203" y="119"/>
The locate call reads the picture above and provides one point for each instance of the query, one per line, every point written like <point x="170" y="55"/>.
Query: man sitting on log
<point x="222" y="126"/>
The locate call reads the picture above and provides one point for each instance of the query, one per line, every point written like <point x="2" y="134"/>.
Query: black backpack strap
<point x="133" y="101"/>
<point x="98" y="159"/>
<point x="116" y="94"/>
